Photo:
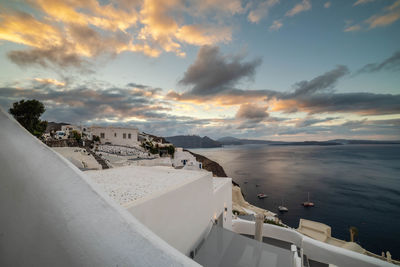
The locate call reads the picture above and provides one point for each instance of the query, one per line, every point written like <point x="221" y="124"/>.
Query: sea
<point x="350" y="185"/>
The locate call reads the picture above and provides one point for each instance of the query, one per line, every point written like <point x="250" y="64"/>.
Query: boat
<point x="282" y="208"/>
<point x="261" y="196"/>
<point x="308" y="203"/>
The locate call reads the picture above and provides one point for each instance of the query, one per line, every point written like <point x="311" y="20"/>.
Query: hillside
<point x="193" y="141"/>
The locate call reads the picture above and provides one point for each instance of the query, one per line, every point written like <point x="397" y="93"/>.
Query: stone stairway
<point x="99" y="159"/>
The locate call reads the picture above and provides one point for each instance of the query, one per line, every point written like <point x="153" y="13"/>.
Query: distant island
<point x="194" y="141"/>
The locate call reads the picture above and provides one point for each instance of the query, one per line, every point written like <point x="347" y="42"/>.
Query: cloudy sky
<point x="273" y="69"/>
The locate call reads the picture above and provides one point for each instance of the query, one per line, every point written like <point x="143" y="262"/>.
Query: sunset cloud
<point x="69" y="33"/>
<point x="352" y="28"/>
<point x="315" y="96"/>
<point x="362" y="2"/>
<point x="252" y="112"/>
<point x="50" y="81"/>
<point x="213" y="72"/>
<point x="260" y="10"/>
<point x="392" y="63"/>
<point x="276" y="25"/>
<point x="82" y="103"/>
<point x="389" y="15"/>
<point x="301" y="7"/>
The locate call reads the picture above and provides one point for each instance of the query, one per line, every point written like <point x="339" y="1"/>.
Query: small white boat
<point x="282" y="208"/>
<point x="308" y="203"/>
<point x="261" y="196"/>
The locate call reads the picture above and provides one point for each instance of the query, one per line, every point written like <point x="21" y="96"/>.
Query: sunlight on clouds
<point x="89" y="29"/>
<point x="391" y="14"/>
<point x="50" y="81"/>
<point x="22" y="28"/>
<point x="301" y="7"/>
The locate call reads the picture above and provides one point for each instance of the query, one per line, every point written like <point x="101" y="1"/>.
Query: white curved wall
<point x="52" y="215"/>
<point x="314" y="249"/>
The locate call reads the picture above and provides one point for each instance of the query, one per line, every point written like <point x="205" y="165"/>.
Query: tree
<point x="76" y="135"/>
<point x="171" y="150"/>
<point x="28" y="113"/>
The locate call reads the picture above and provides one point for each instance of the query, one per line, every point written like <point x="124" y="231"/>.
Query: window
<point x="124" y="135"/>
<point x="102" y="135"/>
<point x="115" y="134"/>
<point x="129" y="136"/>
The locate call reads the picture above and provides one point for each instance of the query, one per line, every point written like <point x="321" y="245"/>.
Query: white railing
<point x="313" y="249"/>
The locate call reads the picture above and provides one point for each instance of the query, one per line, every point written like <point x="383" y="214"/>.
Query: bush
<point x="77" y="136"/>
<point x="96" y="138"/>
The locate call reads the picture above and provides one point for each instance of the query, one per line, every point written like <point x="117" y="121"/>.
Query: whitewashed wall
<point x="222" y="200"/>
<point x="53" y="215"/>
<point x="183" y="216"/>
<point x="110" y="132"/>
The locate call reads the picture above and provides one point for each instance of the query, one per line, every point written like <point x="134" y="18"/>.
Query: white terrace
<point x="53" y="214"/>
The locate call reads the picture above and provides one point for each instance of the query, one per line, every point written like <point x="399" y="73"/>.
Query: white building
<point x="122" y="136"/>
<point x="82" y="130"/>
<point x="185" y="160"/>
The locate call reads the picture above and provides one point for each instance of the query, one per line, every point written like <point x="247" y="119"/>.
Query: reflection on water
<point x="351" y="185"/>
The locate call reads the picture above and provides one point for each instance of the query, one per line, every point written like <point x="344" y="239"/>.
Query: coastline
<point x="239" y="203"/>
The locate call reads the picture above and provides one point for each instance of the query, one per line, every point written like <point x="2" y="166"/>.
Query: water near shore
<point x="351" y="185"/>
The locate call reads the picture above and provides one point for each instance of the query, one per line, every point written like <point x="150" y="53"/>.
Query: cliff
<point x="211" y="166"/>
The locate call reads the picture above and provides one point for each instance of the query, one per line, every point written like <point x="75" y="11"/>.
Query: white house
<point x="83" y="130"/>
<point x="186" y="160"/>
<point x="122" y="136"/>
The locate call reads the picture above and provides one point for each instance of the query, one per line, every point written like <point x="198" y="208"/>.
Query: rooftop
<point x="130" y="183"/>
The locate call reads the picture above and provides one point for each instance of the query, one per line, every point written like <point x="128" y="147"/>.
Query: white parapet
<point x="54" y="215"/>
<point x="313" y="249"/>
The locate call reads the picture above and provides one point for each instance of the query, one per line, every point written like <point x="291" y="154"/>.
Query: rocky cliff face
<point x="211" y="166"/>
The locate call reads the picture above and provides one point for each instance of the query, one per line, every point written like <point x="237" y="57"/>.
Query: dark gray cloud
<point x="213" y="72"/>
<point x="311" y="121"/>
<point x="47" y="57"/>
<point x="144" y="87"/>
<point x="82" y="103"/>
<point x="319" y="83"/>
<point x="313" y="96"/>
<point x="252" y="112"/>
<point x="392" y="63"/>
<point x="361" y="103"/>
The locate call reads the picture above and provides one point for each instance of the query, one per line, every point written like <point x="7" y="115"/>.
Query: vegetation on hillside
<point x="28" y="113"/>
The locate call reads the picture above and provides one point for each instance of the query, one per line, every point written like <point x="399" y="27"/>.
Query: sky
<point x="292" y="70"/>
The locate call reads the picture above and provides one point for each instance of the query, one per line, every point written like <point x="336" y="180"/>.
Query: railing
<point x="313" y="249"/>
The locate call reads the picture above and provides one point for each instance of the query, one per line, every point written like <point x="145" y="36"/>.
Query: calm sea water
<point x="351" y="185"/>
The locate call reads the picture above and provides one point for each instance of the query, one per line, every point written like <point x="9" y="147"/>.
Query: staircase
<point x="99" y="159"/>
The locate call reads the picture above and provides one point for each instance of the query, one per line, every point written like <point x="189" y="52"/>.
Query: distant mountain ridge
<point x="236" y="141"/>
<point x="193" y="141"/>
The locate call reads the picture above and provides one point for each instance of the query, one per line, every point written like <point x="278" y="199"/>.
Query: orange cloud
<point x="50" y="81"/>
<point x="87" y="28"/>
<point x="23" y="28"/>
